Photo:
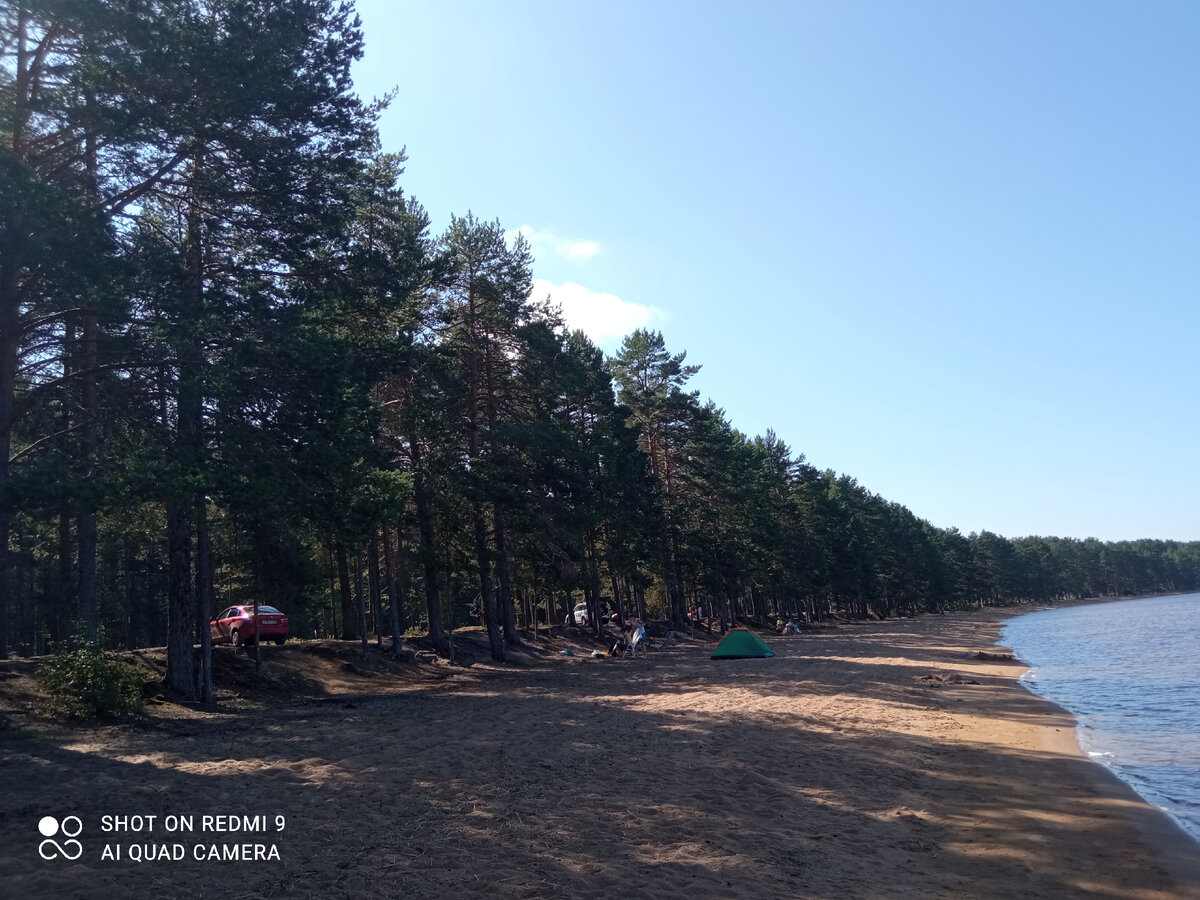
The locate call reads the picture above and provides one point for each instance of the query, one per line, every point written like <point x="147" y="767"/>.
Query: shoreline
<point x="1179" y="847"/>
<point x="870" y="760"/>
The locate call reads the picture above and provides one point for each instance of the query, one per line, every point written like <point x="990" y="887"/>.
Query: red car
<point x="235" y="625"/>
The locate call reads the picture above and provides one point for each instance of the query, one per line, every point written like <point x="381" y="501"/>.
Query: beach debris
<point x="937" y="679"/>
<point x="995" y="657"/>
<point x="566" y="652"/>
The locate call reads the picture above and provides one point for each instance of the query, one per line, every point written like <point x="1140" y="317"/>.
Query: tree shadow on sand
<point x="595" y="779"/>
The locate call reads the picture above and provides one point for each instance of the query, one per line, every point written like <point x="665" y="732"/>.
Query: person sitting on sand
<point x="638" y="638"/>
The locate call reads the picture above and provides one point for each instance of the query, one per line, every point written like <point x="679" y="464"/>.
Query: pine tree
<point x="650" y="383"/>
<point x="485" y="305"/>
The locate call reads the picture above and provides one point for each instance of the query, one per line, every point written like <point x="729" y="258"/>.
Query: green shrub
<point x="84" y="683"/>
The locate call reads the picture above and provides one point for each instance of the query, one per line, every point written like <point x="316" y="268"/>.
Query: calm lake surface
<point x="1129" y="671"/>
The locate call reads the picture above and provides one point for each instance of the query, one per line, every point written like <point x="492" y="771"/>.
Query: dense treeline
<point x="235" y="364"/>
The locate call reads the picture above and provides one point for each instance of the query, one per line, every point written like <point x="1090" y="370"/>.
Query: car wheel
<point x="235" y="638"/>
<point x="280" y="640"/>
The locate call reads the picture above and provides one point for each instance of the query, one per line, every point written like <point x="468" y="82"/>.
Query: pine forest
<point x="238" y="365"/>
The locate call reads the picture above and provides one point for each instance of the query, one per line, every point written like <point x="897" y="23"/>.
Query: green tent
<point x="742" y="643"/>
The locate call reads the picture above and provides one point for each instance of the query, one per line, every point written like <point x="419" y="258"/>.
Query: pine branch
<point x="27" y="401"/>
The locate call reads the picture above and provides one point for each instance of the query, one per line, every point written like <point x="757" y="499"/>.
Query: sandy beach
<point x="862" y="761"/>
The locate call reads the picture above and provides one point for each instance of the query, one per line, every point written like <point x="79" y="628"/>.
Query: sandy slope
<point x="837" y="769"/>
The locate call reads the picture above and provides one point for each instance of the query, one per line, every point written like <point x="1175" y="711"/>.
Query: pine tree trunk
<point x="619" y="605"/>
<point x="396" y="597"/>
<point x="205" y="691"/>
<point x="374" y="587"/>
<point x="64" y="612"/>
<point x="62" y="602"/>
<point x="759" y="602"/>
<point x="189" y="420"/>
<point x="9" y="341"/>
<point x="348" y="617"/>
<point x="127" y="558"/>
<point x="89" y="611"/>
<point x="361" y="602"/>
<point x="486" y="590"/>
<point x="180" y="608"/>
<point x="89" y="601"/>
<point x="428" y="538"/>
<point x="592" y="582"/>
<point x="676" y="601"/>
<point x="10" y="316"/>
<point x="403" y="582"/>
<point x="505" y="600"/>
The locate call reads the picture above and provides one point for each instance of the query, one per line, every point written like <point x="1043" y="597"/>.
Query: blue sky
<point x="949" y="248"/>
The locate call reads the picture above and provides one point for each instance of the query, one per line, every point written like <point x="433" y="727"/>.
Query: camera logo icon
<point x="69" y="828"/>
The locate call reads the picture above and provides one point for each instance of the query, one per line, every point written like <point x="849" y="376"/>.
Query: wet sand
<point x="863" y="761"/>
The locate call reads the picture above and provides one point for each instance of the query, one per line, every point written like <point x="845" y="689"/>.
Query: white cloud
<point x="577" y="249"/>
<point x="544" y="242"/>
<point x="602" y="317"/>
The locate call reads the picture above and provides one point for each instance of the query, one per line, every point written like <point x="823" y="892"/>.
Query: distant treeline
<point x="236" y="365"/>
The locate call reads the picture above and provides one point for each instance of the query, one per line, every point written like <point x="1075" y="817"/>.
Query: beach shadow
<point x="674" y="777"/>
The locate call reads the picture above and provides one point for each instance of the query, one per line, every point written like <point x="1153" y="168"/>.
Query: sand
<point x="863" y="761"/>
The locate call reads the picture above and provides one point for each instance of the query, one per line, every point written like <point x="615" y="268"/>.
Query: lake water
<point x="1129" y="671"/>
